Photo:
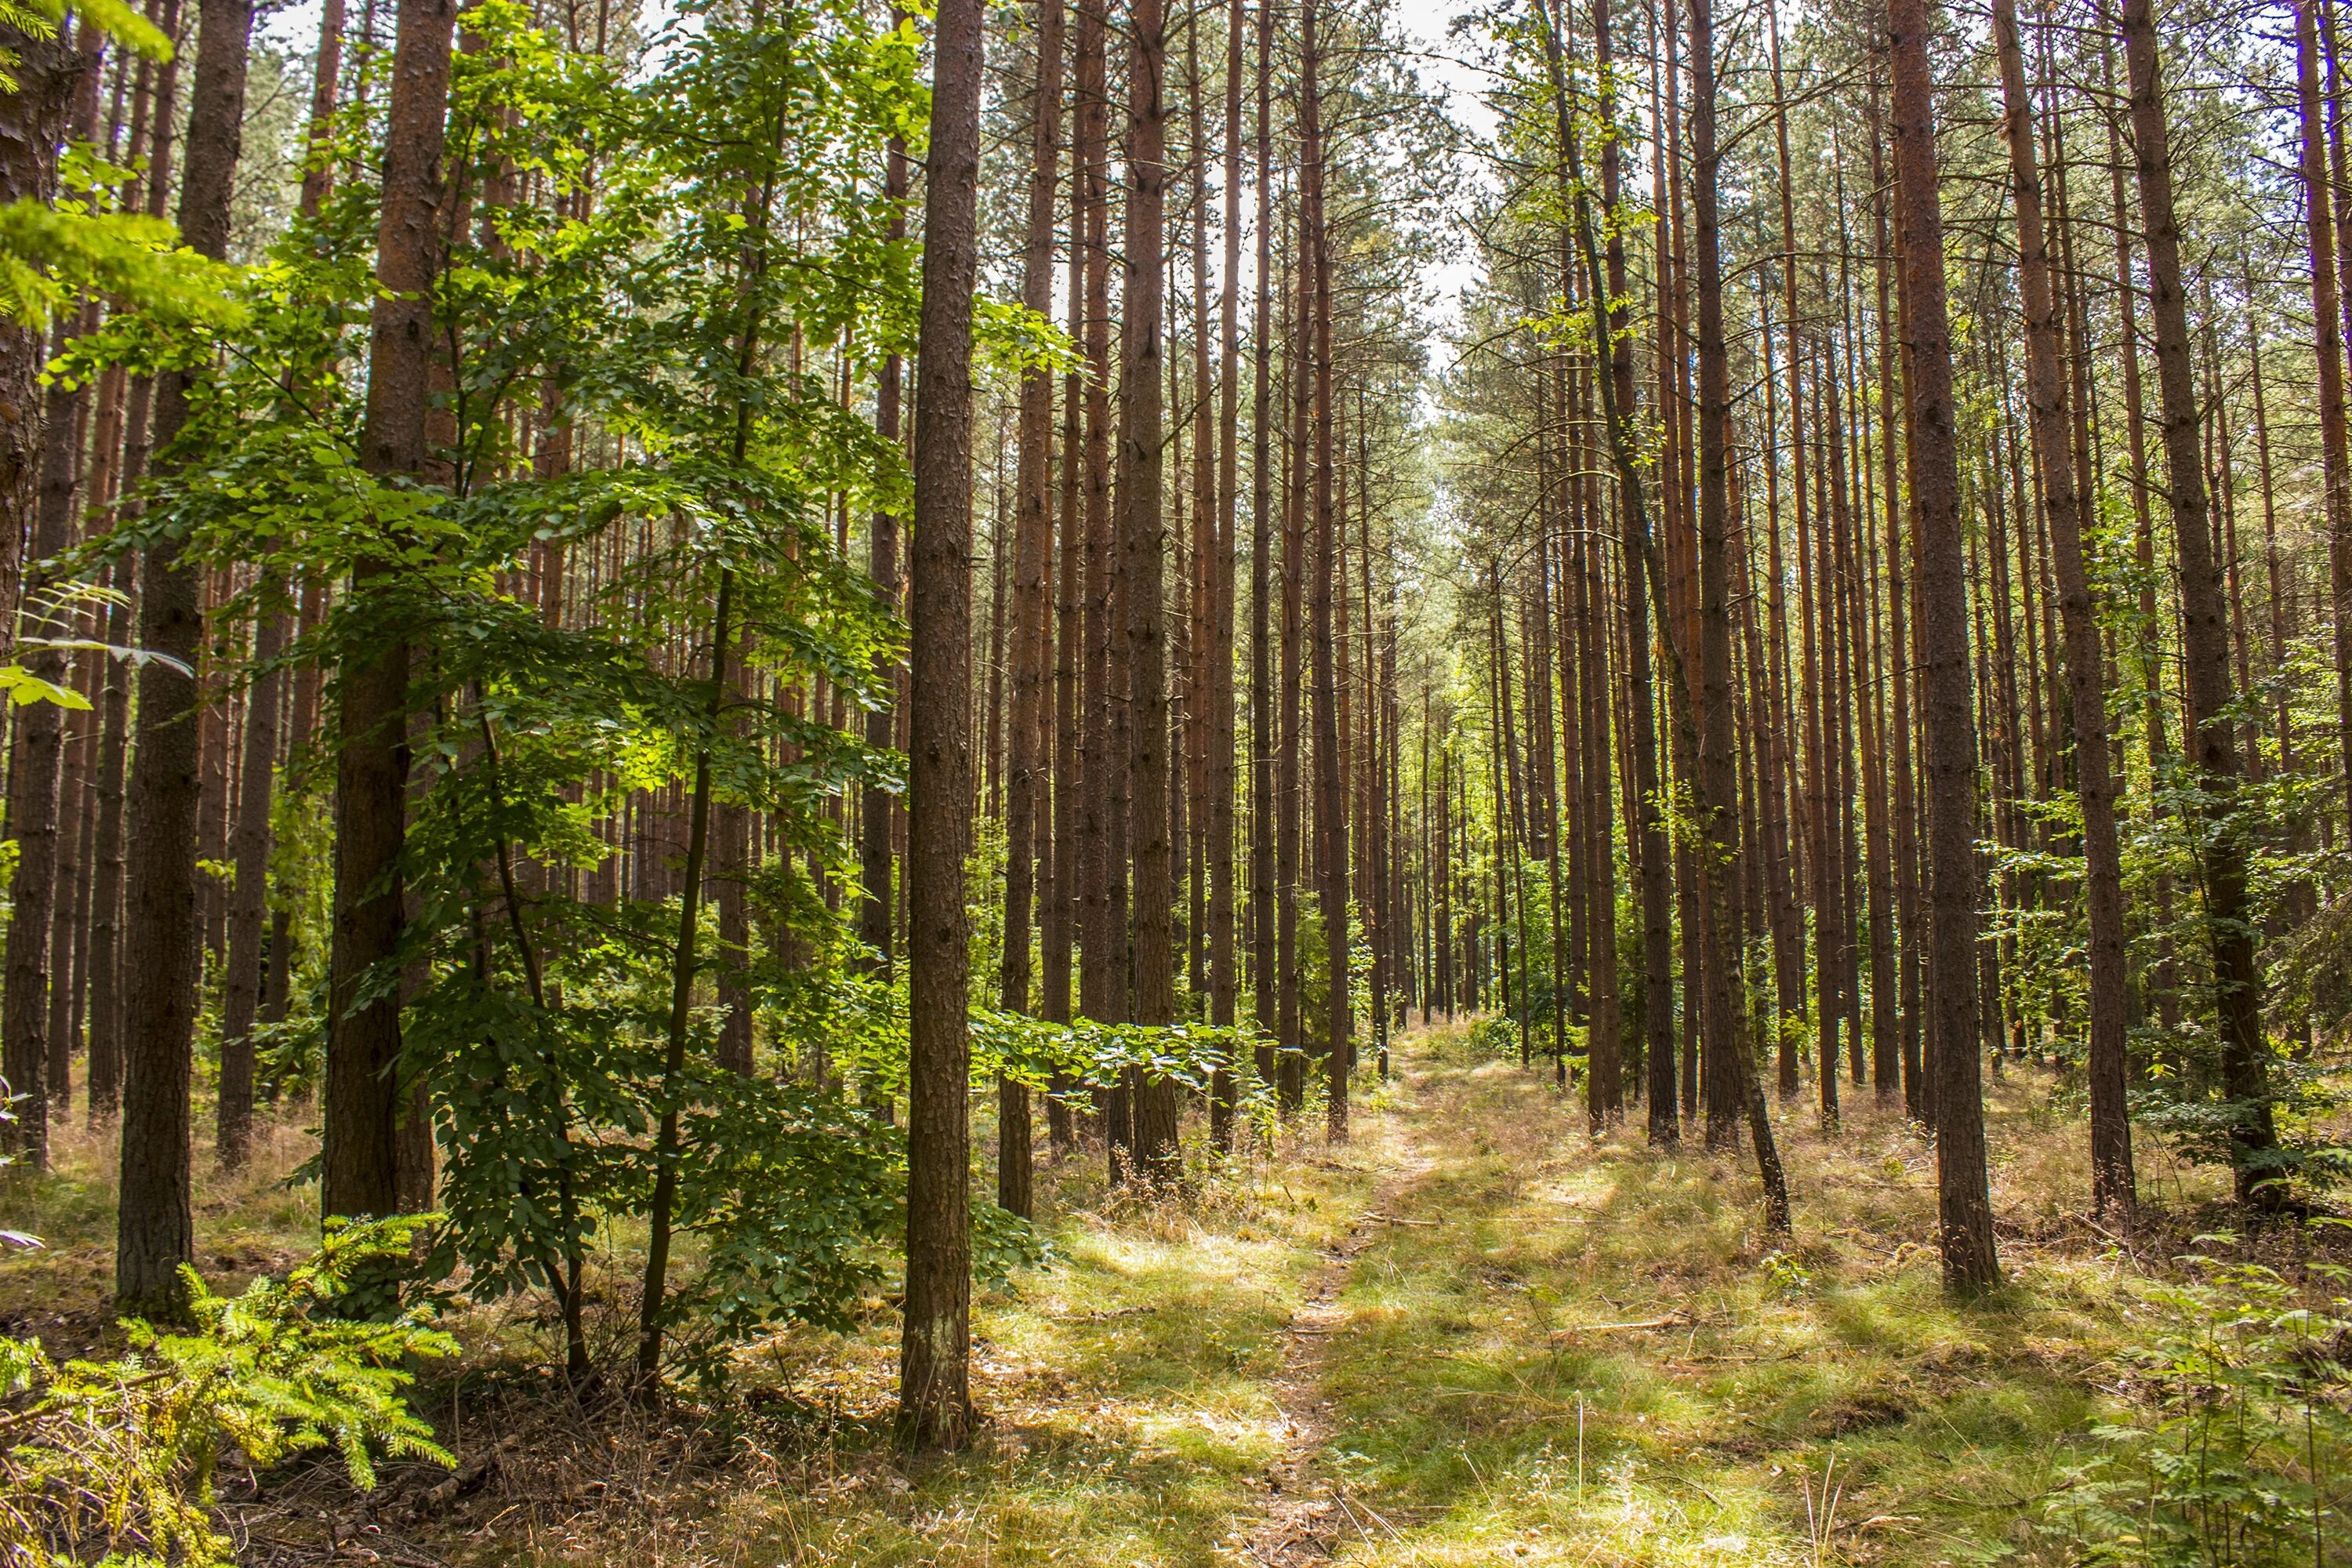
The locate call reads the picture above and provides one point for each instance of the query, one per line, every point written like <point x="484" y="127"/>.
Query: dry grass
<point x="1548" y="1348"/>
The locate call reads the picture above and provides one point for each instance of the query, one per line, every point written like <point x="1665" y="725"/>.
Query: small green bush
<point x="1495" y="1035"/>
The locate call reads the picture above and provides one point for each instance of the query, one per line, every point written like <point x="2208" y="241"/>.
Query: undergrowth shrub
<point x="1495" y="1035"/>
<point x="2243" y="1464"/>
<point x="113" y="1461"/>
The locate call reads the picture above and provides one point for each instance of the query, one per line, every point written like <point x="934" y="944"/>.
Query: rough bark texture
<point x="1263" y="705"/>
<point x="34" y="771"/>
<point x="1222" y="980"/>
<point x="359" y="1164"/>
<point x="2204" y="633"/>
<point x="1142" y="547"/>
<point x="32" y="124"/>
<point x="1331" y="808"/>
<point x="1033" y="531"/>
<point x="105" y="1015"/>
<point x="934" y="1368"/>
<point x="875" y="802"/>
<point x="153" y="1232"/>
<point x="249" y="893"/>
<point x="1964" y="1205"/>
<point x="2046" y="396"/>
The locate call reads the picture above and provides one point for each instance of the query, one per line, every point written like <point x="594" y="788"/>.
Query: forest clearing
<point x="1472" y="1335"/>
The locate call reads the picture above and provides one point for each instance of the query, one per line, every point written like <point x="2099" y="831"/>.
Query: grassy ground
<point x="1473" y="1335"/>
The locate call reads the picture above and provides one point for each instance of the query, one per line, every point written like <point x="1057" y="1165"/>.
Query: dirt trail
<point x="1306" y="1516"/>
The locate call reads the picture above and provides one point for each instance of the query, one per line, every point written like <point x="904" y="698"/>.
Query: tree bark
<point x="1032" y="528"/>
<point x="1266" y="978"/>
<point x="359" y="1164"/>
<point x="250" y="894"/>
<point x="2204" y="636"/>
<point x="154" y="1232"/>
<point x="33" y="812"/>
<point x="1330" y="804"/>
<point x="1222" y="979"/>
<point x="1964" y="1205"/>
<point x="876" y="804"/>
<point x="1731" y="1064"/>
<point x="2062" y="499"/>
<point x="1144" y="550"/>
<point x="32" y="128"/>
<point x="934" y="1367"/>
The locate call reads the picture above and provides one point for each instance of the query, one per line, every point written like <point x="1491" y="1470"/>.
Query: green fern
<point x="114" y="1460"/>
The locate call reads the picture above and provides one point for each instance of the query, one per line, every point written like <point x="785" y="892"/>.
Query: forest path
<point x="1473" y="1335"/>
<point x="1307" y="1510"/>
<point x="1533" y="1345"/>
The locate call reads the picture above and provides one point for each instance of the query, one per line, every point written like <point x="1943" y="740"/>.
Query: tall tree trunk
<point x="1142" y="546"/>
<point x="1222" y="985"/>
<point x="362" y="1101"/>
<point x="2204" y="636"/>
<point x="153" y="1232"/>
<point x="1731" y="1065"/>
<point x="34" y="773"/>
<point x="32" y="118"/>
<point x="1059" y="929"/>
<point x="1033" y="531"/>
<point x="241" y="989"/>
<point x="1331" y="804"/>
<point x="2326" y="315"/>
<point x="874" y="925"/>
<point x="2062" y="499"/>
<point x="1290" y="826"/>
<point x="1964" y="1205"/>
<point x="934" y="1366"/>
<point x="32" y="128"/>
<point x="105" y="1096"/>
<point x="59" y="511"/>
<point x="1267" y="980"/>
<point x="1102" y="975"/>
<point x="1916" y="1098"/>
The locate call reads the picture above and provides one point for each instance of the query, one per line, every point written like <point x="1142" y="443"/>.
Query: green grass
<point x="1496" y="1408"/>
<point x="1546" y="1349"/>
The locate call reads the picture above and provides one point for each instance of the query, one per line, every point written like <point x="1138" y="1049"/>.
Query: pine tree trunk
<point x="1963" y="1201"/>
<point x="875" y="928"/>
<point x="1915" y="1097"/>
<point x="1330" y="803"/>
<point x="360" y="1162"/>
<point x="1222" y="782"/>
<point x="154" y="1233"/>
<point x="32" y="127"/>
<point x="32" y="120"/>
<point x="105" y="1097"/>
<point x="1268" y="980"/>
<point x="34" y="773"/>
<point x="1142" y="547"/>
<point x="1032" y="529"/>
<point x="2205" y="653"/>
<point x="241" y="988"/>
<point x="2112" y="1184"/>
<point x="1290" y="746"/>
<point x="1102" y="975"/>
<point x="934" y="1372"/>
<point x="1731" y="1067"/>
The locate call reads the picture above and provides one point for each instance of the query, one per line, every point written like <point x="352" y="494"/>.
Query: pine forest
<point x="1259" y="782"/>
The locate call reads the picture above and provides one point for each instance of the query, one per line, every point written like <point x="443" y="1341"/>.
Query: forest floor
<point x="1471" y="1336"/>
